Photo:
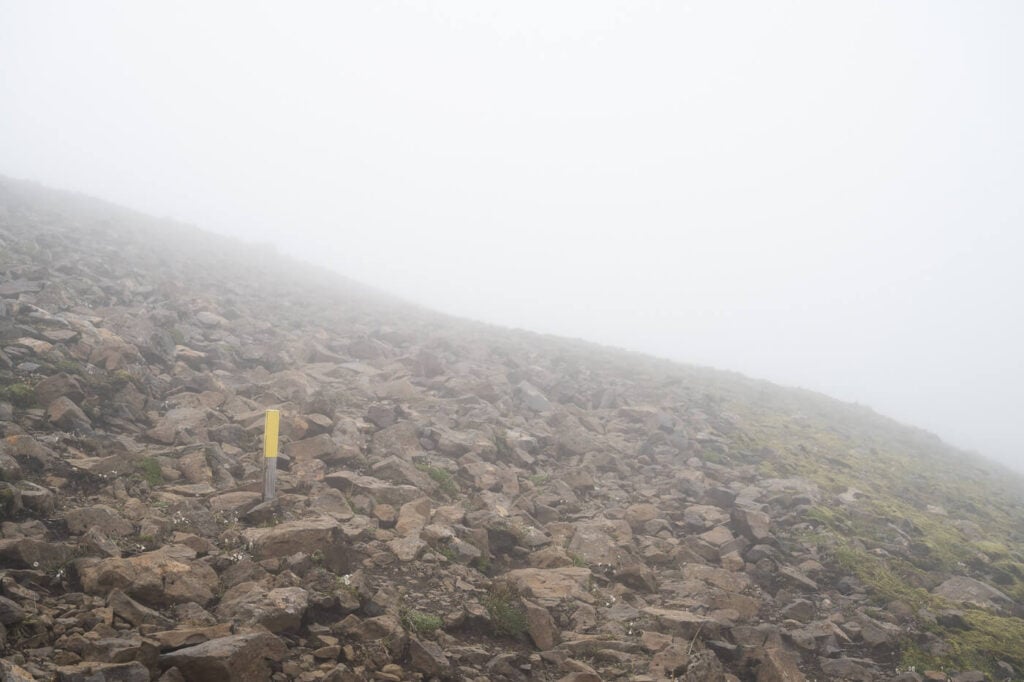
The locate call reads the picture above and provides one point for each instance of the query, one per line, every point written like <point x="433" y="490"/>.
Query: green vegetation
<point x="8" y="501"/>
<point x="444" y="479"/>
<point x="508" y="617"/>
<point x="20" y="395"/>
<point x="501" y="444"/>
<point x="895" y="538"/>
<point x="577" y="560"/>
<point x="482" y="563"/>
<point x="68" y="366"/>
<point x="151" y="473"/>
<point x="538" y="479"/>
<point x="419" y="622"/>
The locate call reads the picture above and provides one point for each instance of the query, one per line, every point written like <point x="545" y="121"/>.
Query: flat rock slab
<point x="382" y="492"/>
<point x="304" y="535"/>
<point x="960" y="588"/>
<point x="238" y="658"/>
<point x="549" y="586"/>
<point x="685" y="624"/>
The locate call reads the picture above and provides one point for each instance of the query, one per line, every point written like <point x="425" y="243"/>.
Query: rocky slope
<point x="459" y="501"/>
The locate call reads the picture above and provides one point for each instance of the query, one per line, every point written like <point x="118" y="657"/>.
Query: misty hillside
<point x="456" y="501"/>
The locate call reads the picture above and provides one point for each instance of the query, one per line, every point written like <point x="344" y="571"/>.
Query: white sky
<point x="825" y="194"/>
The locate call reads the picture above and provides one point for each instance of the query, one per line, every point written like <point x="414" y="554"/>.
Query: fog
<point x="823" y="194"/>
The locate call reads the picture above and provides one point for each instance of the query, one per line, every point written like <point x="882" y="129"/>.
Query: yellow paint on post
<point x="270" y="428"/>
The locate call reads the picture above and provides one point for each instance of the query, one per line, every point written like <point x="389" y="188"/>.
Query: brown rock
<point x="160" y="578"/>
<point x="64" y="414"/>
<point x="428" y="658"/>
<point x="103" y="672"/>
<point x="278" y="610"/>
<point x="550" y="586"/>
<point x="304" y="535"/>
<point x="778" y="665"/>
<point x="751" y="523"/>
<point x="238" y="658"/>
<point x="168" y="640"/>
<point x="135" y="613"/>
<point x="98" y="517"/>
<point x="53" y="387"/>
<point x="32" y="553"/>
<point x="311" y="448"/>
<point x="540" y="626"/>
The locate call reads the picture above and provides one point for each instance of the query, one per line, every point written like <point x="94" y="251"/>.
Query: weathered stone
<point x="32" y="553"/>
<point x="374" y="488"/>
<point x="104" y="672"/>
<point x="684" y="624"/>
<point x="751" y="523"/>
<point x="10" y="612"/>
<point x="278" y="610"/>
<point x="238" y="658"/>
<point x="778" y="665"/>
<point x="848" y="668"/>
<point x="9" y="672"/>
<point x="548" y="587"/>
<point x="963" y="589"/>
<point x="285" y="539"/>
<point x="98" y="517"/>
<point x="540" y="626"/>
<point x="428" y="658"/>
<point x="64" y="414"/>
<point x="135" y="613"/>
<point x="160" y="578"/>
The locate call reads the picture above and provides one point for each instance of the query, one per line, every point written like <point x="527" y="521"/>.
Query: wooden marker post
<point x="270" y="427"/>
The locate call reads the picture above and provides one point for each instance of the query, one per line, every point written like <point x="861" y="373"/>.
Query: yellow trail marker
<point x="270" y="430"/>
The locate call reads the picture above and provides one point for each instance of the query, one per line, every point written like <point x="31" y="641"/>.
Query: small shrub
<point x="419" y="622"/>
<point x="68" y="366"/>
<point x="577" y="560"/>
<point x="508" y="617"/>
<point x="151" y="472"/>
<point x="444" y="479"/>
<point x="19" y="395"/>
<point x="501" y="444"/>
<point x="482" y="563"/>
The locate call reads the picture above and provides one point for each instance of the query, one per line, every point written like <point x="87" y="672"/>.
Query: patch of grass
<point x="482" y="563"/>
<point x="508" y="617"/>
<point x="989" y="639"/>
<point x="501" y="444"/>
<point x="886" y="580"/>
<point x="20" y="395"/>
<point x="150" y="470"/>
<point x="577" y="560"/>
<point x="7" y="502"/>
<point x="714" y="456"/>
<point x="444" y="479"/>
<point x="446" y="551"/>
<point x="68" y="366"/>
<point x="539" y="479"/>
<point x="420" y="622"/>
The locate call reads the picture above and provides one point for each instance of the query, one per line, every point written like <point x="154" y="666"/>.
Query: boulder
<point x="285" y="539"/>
<point x="278" y="610"/>
<point x="960" y="588"/>
<point x="548" y="587"/>
<point x="158" y="579"/>
<point x="238" y="658"/>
